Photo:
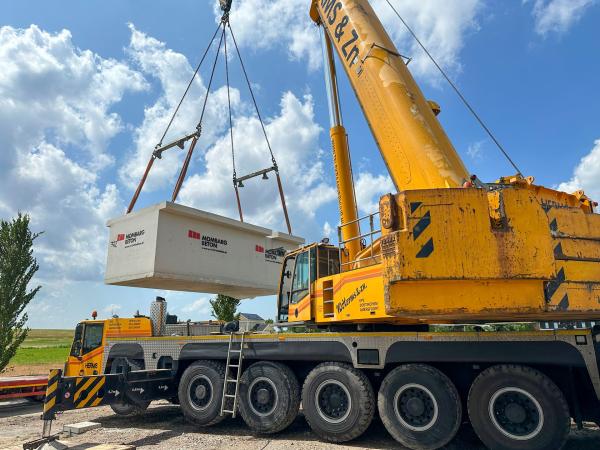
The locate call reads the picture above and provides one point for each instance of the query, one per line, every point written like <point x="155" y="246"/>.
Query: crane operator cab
<point x="298" y="288"/>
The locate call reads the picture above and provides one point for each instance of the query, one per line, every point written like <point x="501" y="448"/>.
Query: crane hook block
<point x="225" y="5"/>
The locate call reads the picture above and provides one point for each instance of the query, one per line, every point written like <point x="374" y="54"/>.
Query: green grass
<point x="44" y="347"/>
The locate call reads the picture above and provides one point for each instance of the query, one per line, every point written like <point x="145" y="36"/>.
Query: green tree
<point x="224" y="308"/>
<point x="17" y="268"/>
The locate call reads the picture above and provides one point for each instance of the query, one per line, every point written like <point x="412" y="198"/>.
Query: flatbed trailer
<point x="23" y="387"/>
<point x="527" y="385"/>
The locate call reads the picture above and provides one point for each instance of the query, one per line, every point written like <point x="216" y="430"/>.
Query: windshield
<point x="93" y="337"/>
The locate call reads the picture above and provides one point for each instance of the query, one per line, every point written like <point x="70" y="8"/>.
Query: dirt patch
<point x="163" y="428"/>
<point x="30" y="369"/>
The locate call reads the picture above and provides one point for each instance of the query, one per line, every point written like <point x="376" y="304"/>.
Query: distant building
<point x="251" y="322"/>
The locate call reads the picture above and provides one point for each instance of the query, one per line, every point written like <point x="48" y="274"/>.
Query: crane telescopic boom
<point x="411" y="140"/>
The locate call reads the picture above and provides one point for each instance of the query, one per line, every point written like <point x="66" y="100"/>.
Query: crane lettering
<point x="349" y="48"/>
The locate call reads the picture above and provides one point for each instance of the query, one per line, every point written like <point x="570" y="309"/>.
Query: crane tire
<point x="269" y="397"/>
<point x="513" y="407"/>
<point x="200" y="392"/>
<point x="128" y="407"/>
<point x="419" y="406"/>
<point x="338" y="401"/>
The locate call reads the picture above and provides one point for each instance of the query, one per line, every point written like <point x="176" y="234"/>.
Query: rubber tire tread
<point x="289" y="396"/>
<point x="187" y="410"/>
<point x="129" y="409"/>
<point x="361" y="386"/>
<point x="556" y="434"/>
<point x="416" y="440"/>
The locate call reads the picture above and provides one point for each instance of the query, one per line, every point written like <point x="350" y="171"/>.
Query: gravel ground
<point x="163" y="428"/>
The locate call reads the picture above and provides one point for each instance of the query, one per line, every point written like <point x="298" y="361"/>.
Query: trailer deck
<point x="21" y="387"/>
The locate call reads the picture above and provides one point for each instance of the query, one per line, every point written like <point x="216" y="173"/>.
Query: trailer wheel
<point x="201" y="391"/>
<point x="269" y="397"/>
<point x="419" y="406"/>
<point x="338" y="401"/>
<point x="517" y="407"/>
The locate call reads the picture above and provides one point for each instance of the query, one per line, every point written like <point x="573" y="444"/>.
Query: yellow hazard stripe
<point x="92" y="393"/>
<point x="84" y="387"/>
<point x="49" y="404"/>
<point x="51" y="388"/>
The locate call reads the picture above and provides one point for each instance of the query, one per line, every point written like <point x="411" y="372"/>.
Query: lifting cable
<point x="457" y="90"/>
<point x="195" y="136"/>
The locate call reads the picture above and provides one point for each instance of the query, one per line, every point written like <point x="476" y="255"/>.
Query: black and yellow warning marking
<point x="89" y="391"/>
<point x="421" y="232"/>
<point x="52" y="391"/>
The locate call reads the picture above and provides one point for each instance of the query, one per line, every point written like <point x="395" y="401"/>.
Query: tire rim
<point x="333" y="401"/>
<point x="200" y="392"/>
<point x="262" y="396"/>
<point x="516" y="413"/>
<point x="416" y="407"/>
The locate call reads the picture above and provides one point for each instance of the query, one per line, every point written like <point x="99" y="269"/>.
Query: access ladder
<point x="232" y="378"/>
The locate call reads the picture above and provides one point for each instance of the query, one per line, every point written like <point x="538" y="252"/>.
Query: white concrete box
<point x="177" y="248"/>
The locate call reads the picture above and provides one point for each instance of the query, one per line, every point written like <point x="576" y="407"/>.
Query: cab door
<point x="86" y="353"/>
<point x="305" y="274"/>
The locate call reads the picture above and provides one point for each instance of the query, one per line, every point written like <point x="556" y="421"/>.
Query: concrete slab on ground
<point x="81" y="427"/>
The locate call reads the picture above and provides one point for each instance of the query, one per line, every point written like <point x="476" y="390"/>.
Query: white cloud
<point x="173" y="71"/>
<point x="279" y="23"/>
<point x="328" y="230"/>
<point x="369" y="188"/>
<point x="475" y="150"/>
<point x="56" y="123"/>
<point x="586" y="175"/>
<point x="112" y="309"/>
<point x="442" y="27"/>
<point x="200" y="306"/>
<point x="558" y="16"/>
<point x="294" y="137"/>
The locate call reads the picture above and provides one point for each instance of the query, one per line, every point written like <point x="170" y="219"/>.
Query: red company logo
<point x="259" y="249"/>
<point x="194" y="235"/>
<point x="120" y="237"/>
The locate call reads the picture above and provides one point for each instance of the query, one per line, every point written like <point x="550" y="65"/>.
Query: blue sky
<point x="87" y="87"/>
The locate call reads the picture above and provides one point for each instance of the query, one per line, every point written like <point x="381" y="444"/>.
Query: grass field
<point x="42" y="347"/>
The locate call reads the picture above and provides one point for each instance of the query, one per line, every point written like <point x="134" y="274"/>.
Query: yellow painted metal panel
<point x="466" y="300"/>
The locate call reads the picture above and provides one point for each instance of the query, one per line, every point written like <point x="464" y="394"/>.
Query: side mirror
<point x="287" y="274"/>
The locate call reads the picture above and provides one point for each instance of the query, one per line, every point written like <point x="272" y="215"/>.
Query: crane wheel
<point x="201" y="391"/>
<point x="517" y="407"/>
<point x="419" y="406"/>
<point x="338" y="401"/>
<point x="129" y="407"/>
<point x="269" y="397"/>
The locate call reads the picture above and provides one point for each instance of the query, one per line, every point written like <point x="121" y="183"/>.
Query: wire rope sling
<point x="221" y="33"/>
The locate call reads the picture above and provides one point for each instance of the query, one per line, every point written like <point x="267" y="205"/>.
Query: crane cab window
<point x="329" y="261"/>
<point x="76" y="347"/>
<point x="304" y="274"/>
<point x="93" y="337"/>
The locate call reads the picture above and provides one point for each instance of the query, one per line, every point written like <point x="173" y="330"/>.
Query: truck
<point x="378" y="308"/>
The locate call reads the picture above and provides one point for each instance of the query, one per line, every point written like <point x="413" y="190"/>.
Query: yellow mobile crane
<point x="449" y="248"/>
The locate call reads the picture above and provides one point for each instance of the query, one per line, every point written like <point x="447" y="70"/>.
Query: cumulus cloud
<point x="558" y="16"/>
<point x="369" y="188"/>
<point x="279" y="23"/>
<point x="173" y="71"/>
<point x="442" y="26"/>
<point x="56" y="124"/>
<point x="586" y="175"/>
<point x="200" y="306"/>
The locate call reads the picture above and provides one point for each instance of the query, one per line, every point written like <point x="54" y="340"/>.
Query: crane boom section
<point x="415" y="148"/>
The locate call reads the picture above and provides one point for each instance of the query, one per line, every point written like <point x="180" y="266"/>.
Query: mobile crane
<point x="451" y="249"/>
